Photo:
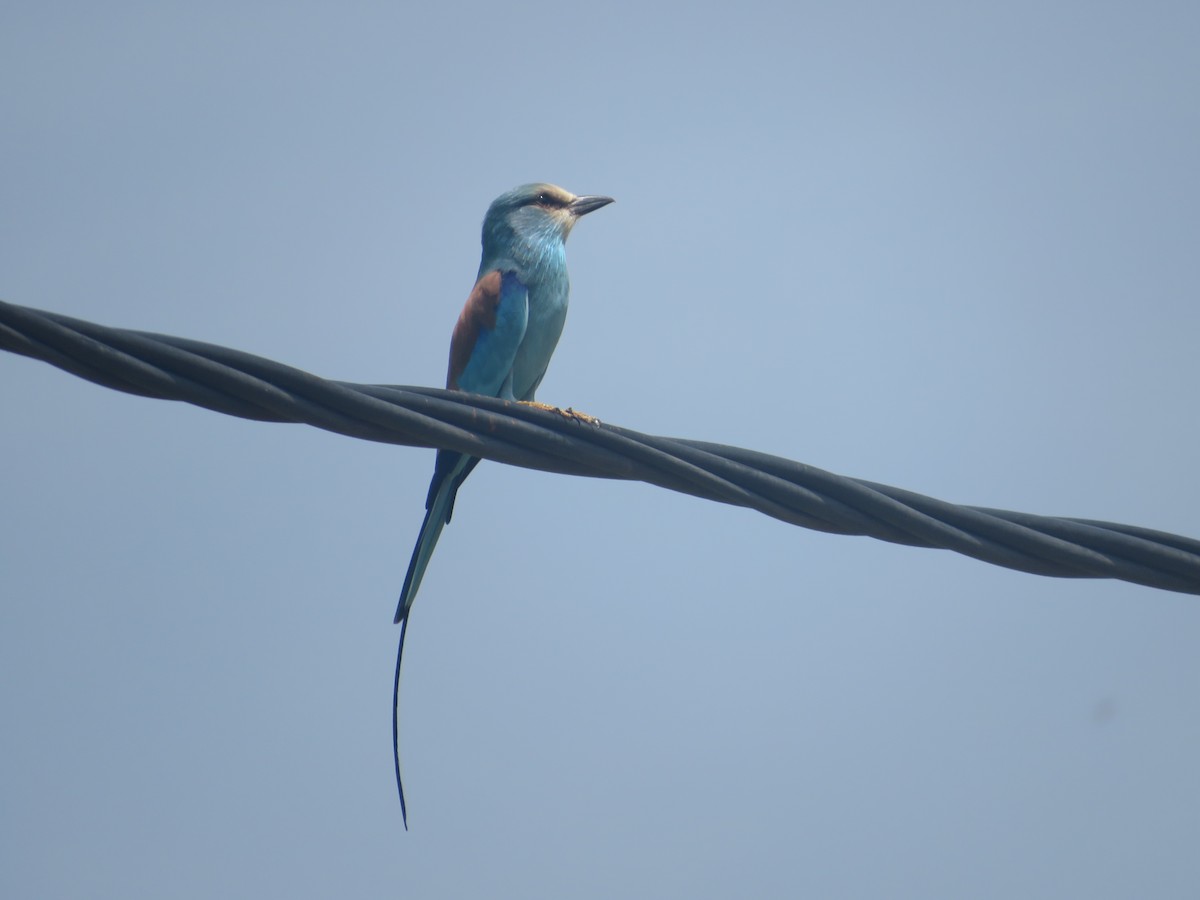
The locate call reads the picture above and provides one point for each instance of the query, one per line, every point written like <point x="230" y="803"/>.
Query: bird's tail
<point x="431" y="529"/>
<point x="396" y="724"/>
<point x="448" y="476"/>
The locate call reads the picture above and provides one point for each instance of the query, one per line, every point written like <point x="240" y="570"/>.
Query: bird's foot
<point x="580" y="417"/>
<point x="567" y="413"/>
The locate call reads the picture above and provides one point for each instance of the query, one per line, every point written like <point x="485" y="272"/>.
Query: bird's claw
<point x="580" y="417"/>
<point x="567" y="413"/>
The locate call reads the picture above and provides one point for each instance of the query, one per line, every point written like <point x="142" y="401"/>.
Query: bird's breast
<point x="547" y="314"/>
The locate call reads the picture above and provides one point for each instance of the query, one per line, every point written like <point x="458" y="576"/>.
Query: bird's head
<point x="535" y="215"/>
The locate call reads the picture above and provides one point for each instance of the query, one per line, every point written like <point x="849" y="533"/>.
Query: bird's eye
<point x="544" y="200"/>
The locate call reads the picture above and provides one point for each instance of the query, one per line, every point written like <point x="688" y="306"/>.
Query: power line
<point x="251" y="387"/>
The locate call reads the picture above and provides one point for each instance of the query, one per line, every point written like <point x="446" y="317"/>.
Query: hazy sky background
<point x="951" y="247"/>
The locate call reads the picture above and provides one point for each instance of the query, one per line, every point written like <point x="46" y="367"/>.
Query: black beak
<point x="581" y="206"/>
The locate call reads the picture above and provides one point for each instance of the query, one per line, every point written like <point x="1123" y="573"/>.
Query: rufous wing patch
<point x="478" y="314"/>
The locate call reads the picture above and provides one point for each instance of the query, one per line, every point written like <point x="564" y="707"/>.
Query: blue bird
<point x="501" y="347"/>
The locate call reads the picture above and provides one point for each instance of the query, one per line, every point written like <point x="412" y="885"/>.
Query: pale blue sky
<point x="947" y="246"/>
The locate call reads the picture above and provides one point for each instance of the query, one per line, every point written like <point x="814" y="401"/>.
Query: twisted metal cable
<point x="251" y="387"/>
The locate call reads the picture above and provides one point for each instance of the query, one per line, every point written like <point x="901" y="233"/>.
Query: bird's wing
<point x="489" y="331"/>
